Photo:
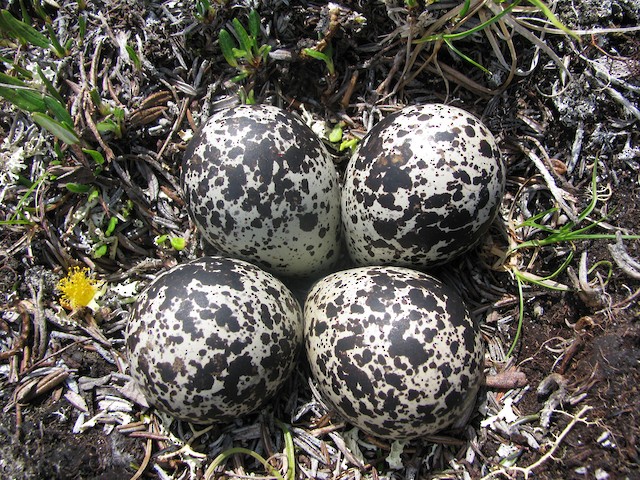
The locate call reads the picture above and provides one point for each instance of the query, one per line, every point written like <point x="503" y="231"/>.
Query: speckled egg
<point x="261" y="186"/>
<point x="423" y="188"/>
<point x="393" y="351"/>
<point x="213" y="339"/>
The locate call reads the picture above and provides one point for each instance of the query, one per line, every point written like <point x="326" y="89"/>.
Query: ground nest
<point x="99" y="100"/>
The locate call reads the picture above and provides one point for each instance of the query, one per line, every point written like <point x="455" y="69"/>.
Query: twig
<point x="526" y="471"/>
<point x="626" y="262"/>
<point x="558" y="193"/>
<point x="145" y="460"/>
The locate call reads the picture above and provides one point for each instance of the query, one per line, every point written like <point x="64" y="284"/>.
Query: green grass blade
<point x="465" y="8"/>
<point x="516" y="338"/>
<point x="77" y="187"/>
<point x="59" y="50"/>
<point x="533" y="221"/>
<point x="9" y="80"/>
<point x="25" y="99"/>
<point x="477" y="28"/>
<point x="22" y="31"/>
<point x="50" y="88"/>
<point x="464" y="56"/>
<point x="58" y="129"/>
<point x="133" y="56"/>
<point x="552" y="18"/>
<point x="59" y="111"/>
<point x="209" y="474"/>
<point x="594" y="193"/>
<point x="23" y="200"/>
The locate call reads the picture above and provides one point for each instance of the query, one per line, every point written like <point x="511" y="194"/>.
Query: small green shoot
<point x="568" y="234"/>
<point x="326" y="56"/>
<point x="82" y="27"/>
<point x="247" y="98"/>
<point x="571" y="231"/>
<point x="205" y="12"/>
<point x="19" y="217"/>
<point x="100" y="251"/>
<point x="60" y="50"/>
<point x="335" y="135"/>
<point x="351" y="144"/>
<point x="77" y="187"/>
<point x="58" y="129"/>
<point x="28" y="35"/>
<point x="133" y="56"/>
<point x="244" y="53"/>
<point x="210" y="473"/>
<point x="113" y="222"/>
<point x="95" y="155"/>
<point x="177" y="243"/>
<point x="289" y="453"/>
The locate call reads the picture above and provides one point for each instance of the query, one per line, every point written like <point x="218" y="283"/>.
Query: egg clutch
<point x="391" y="349"/>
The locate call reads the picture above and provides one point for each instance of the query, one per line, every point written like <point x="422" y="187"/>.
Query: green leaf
<point x="9" y="80"/>
<point x="465" y="8"/>
<point x="108" y="125"/>
<point x="25" y="99"/>
<point x="254" y="24"/>
<point x="133" y="56"/>
<point x="326" y="57"/>
<point x="113" y="222"/>
<point x="59" y="111"/>
<point x="246" y="43"/>
<point x="477" y="28"/>
<point x="95" y="193"/>
<point x="335" y="135"/>
<point x="161" y="239"/>
<point x="226" y="45"/>
<point x="22" y="31"/>
<point x="351" y="143"/>
<point x="95" y="155"/>
<point x="23" y="72"/>
<point x="77" y="187"/>
<point x="50" y="88"/>
<point x="178" y="243"/>
<point x="316" y="54"/>
<point x="82" y="26"/>
<point x="58" y="129"/>
<point x="101" y="251"/>
<point x="59" y="50"/>
<point x="263" y="52"/>
<point x="247" y="98"/>
<point x="239" y="53"/>
<point x="240" y="77"/>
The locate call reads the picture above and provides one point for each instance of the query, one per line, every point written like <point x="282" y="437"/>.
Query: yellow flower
<point x="78" y="288"/>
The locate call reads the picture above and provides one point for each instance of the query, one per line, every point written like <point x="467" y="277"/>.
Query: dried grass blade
<point x="557" y="193"/>
<point x="512" y="22"/>
<point x="626" y="262"/>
